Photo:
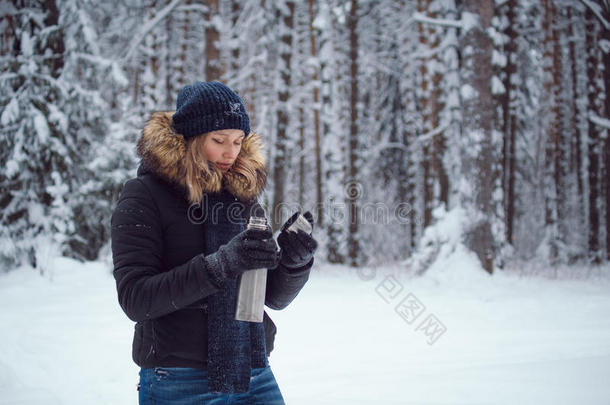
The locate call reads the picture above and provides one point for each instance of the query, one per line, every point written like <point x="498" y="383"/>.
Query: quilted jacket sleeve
<point x="144" y="289"/>
<point x="283" y="285"/>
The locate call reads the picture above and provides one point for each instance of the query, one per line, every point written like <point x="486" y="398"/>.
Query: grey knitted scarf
<point x="234" y="347"/>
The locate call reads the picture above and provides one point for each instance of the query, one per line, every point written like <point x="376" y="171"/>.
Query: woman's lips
<point x="224" y="165"/>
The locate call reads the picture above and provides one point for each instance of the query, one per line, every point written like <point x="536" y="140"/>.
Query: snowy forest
<point x="384" y="118"/>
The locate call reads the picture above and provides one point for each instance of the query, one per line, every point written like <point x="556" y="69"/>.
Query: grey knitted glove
<point x="298" y="247"/>
<point x="249" y="250"/>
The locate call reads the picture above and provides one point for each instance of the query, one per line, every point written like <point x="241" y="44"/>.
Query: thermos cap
<point x="257" y="223"/>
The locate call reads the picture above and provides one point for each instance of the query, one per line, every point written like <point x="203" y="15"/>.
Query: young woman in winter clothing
<point x="180" y="243"/>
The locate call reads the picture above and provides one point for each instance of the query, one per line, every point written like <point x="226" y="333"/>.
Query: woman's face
<point x="222" y="147"/>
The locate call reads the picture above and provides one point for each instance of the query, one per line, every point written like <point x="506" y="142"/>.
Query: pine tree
<point x="353" y="183"/>
<point x="49" y="181"/>
<point x="314" y="33"/>
<point x="594" y="137"/>
<point x="477" y="149"/>
<point x="285" y="16"/>
<point x="577" y="118"/>
<point x="507" y="101"/>
<point x="332" y="70"/>
<point x="431" y="106"/>
<point x="213" y="69"/>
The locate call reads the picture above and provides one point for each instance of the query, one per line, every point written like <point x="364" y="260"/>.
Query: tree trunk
<point x="235" y="11"/>
<point x="554" y="151"/>
<point x="576" y="165"/>
<point x="557" y="131"/>
<point x="550" y="180"/>
<point x="594" y="138"/>
<point x="56" y="42"/>
<point x="330" y="73"/>
<point x="169" y="57"/>
<point x="279" y="168"/>
<point x="424" y="102"/>
<point x="435" y="182"/>
<point x="607" y="186"/>
<point x="478" y="111"/>
<point x="301" y="147"/>
<point x="316" y="113"/>
<point x="213" y="70"/>
<point x="183" y="49"/>
<point x="150" y="66"/>
<point x="509" y="122"/>
<point x="606" y="92"/>
<point x="353" y="242"/>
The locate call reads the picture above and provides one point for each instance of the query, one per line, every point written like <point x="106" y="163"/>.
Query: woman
<point x="179" y="244"/>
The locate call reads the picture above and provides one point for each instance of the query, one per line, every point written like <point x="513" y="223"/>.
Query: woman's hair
<point x="201" y="177"/>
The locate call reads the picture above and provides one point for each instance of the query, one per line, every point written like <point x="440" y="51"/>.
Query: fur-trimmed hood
<point x="163" y="152"/>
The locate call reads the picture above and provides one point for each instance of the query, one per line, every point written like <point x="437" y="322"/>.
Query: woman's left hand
<point x="297" y="248"/>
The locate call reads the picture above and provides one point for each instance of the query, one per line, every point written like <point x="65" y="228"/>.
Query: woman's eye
<point x="218" y="141"/>
<point x="238" y="143"/>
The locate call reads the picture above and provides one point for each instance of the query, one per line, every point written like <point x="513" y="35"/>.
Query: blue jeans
<point x="189" y="386"/>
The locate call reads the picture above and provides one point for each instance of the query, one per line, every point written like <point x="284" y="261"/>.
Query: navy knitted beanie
<point x="209" y="106"/>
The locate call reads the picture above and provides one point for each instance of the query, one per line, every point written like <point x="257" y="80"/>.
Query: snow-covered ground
<point x="365" y="336"/>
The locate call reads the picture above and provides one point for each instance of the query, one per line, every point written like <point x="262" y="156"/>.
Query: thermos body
<point x="252" y="285"/>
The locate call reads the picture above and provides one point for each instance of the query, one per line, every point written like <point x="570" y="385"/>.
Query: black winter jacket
<point x="161" y="273"/>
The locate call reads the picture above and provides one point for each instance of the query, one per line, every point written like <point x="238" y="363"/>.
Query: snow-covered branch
<point x="389" y="145"/>
<point x="149" y="27"/>
<point x="8" y="76"/>
<point x="397" y="145"/>
<point x="599" y="121"/>
<point x="195" y="7"/>
<point x="419" y="17"/>
<point x="595" y="8"/>
<point x="429" y="135"/>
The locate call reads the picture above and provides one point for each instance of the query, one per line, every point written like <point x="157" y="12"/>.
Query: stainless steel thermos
<point x="251" y="292"/>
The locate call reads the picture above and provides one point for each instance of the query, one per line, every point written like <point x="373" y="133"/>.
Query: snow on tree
<point x="54" y="120"/>
<point x="376" y="114"/>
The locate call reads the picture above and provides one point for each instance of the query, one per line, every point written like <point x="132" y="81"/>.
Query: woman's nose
<point x="231" y="152"/>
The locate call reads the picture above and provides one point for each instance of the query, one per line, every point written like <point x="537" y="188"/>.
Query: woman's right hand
<point x="250" y="249"/>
